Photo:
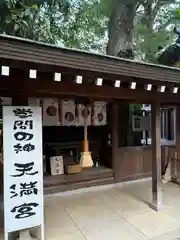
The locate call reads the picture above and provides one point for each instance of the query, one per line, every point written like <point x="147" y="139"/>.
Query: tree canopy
<point x="73" y="23"/>
<point x="84" y="23"/>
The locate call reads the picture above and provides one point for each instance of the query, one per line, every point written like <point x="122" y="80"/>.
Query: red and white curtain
<point x="5" y="101"/>
<point x="68" y="113"/>
<point x="99" y="115"/>
<point x="80" y="115"/>
<point x="51" y="110"/>
<point x="34" y="102"/>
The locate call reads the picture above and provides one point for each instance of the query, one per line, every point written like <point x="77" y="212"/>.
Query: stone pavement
<point x="119" y="212"/>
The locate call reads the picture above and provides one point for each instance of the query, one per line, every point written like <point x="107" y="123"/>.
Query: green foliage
<point x="30" y="19"/>
<point x="104" y="8"/>
<point x="83" y="24"/>
<point x="85" y="28"/>
<point x="147" y="41"/>
<point x="73" y="23"/>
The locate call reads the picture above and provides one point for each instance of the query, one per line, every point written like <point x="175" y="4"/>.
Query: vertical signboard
<point x="23" y="173"/>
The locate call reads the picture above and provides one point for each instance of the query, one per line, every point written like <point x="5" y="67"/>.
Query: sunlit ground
<point x="113" y="213"/>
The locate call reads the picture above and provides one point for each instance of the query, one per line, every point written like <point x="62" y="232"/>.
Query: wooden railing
<point x="171" y="164"/>
<point x="175" y="168"/>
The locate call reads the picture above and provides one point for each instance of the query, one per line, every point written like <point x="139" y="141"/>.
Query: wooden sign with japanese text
<point x="23" y="170"/>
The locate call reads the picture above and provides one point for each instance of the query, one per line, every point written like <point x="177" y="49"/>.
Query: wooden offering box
<point x="72" y="168"/>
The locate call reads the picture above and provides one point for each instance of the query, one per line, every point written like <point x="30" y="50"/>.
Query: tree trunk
<point x="148" y="16"/>
<point x="120" y="44"/>
<point x="120" y="28"/>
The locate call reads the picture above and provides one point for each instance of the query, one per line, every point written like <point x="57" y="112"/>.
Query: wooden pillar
<point x="156" y="157"/>
<point x="18" y="80"/>
<point x="123" y="112"/>
<point x="177" y="128"/>
<point x="114" y="127"/>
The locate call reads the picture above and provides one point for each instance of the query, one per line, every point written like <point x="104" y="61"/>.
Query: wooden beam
<point x="53" y="88"/>
<point x="111" y="78"/>
<point x="156" y="157"/>
<point x="49" y="88"/>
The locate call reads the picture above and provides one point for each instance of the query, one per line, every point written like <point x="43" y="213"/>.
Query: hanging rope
<point x="86" y="111"/>
<point x="85" y="128"/>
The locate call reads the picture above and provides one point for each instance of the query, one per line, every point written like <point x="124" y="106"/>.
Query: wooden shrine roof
<point x="21" y="53"/>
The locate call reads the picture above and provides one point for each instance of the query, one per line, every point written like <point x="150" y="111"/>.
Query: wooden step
<point x="77" y="185"/>
<point x="85" y="175"/>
